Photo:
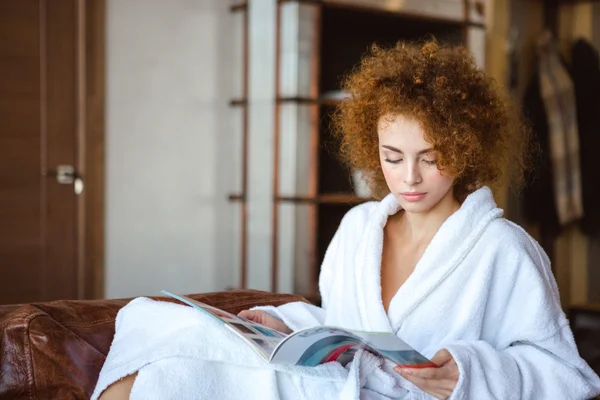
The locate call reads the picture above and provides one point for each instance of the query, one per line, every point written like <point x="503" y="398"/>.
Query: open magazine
<point x="312" y="346"/>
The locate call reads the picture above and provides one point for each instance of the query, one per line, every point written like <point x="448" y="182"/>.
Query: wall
<point x="170" y="158"/>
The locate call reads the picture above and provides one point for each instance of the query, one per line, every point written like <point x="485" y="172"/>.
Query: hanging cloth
<point x="558" y="97"/>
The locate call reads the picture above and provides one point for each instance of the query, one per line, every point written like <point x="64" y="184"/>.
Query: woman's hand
<point x="438" y="382"/>
<point x="263" y="318"/>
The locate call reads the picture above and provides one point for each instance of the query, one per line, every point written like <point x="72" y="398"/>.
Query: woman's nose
<point x="413" y="176"/>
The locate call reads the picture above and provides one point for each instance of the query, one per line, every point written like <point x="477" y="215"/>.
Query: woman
<point x="434" y="261"/>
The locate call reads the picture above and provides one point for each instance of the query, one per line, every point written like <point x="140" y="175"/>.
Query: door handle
<point x="67" y="175"/>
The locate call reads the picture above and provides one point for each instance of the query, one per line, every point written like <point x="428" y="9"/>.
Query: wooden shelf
<point x="384" y="8"/>
<point x="330" y="198"/>
<point x="315" y="2"/>
<point x="341" y="198"/>
<point x="327" y="101"/>
<point x="306" y="100"/>
<point x="238" y="102"/>
<point x="298" y="100"/>
<point x="332" y="102"/>
<point x="237" y="197"/>
<point x="241" y="6"/>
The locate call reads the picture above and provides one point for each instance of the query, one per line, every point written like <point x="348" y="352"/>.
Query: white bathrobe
<point x="483" y="290"/>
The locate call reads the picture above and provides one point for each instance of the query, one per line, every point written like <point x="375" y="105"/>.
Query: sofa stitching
<point x="28" y="352"/>
<point x="98" y="321"/>
<point x="10" y="321"/>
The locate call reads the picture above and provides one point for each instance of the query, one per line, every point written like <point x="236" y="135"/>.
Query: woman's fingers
<point x="251" y="315"/>
<point x="427" y="373"/>
<point x="263" y="318"/>
<point x="439" y="388"/>
<point x="438" y="382"/>
<point x="442" y="357"/>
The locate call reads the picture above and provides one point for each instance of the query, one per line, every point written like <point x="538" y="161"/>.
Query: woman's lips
<point x="413" y="196"/>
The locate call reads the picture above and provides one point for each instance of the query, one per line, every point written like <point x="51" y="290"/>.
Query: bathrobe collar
<point x="450" y="245"/>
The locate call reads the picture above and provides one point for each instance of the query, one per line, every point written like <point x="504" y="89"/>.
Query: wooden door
<point x="51" y="95"/>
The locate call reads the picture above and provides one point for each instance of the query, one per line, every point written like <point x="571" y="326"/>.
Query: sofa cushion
<point x="55" y="350"/>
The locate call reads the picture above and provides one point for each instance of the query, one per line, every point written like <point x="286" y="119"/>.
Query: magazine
<point x="312" y="346"/>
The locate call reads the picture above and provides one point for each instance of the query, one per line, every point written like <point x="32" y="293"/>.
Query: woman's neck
<point x="419" y="228"/>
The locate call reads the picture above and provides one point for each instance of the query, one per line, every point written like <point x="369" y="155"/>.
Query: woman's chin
<point x="414" y="206"/>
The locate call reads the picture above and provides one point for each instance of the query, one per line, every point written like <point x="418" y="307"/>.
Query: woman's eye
<point x="430" y="162"/>
<point x="393" y="161"/>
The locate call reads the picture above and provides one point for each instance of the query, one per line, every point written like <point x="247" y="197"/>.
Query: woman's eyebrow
<point x="385" y="146"/>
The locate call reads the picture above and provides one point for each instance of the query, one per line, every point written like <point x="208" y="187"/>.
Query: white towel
<point x="180" y="353"/>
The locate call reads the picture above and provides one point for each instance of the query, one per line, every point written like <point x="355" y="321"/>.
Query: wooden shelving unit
<point x="333" y="36"/>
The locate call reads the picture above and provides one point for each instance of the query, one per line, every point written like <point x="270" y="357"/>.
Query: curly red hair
<point x="479" y="138"/>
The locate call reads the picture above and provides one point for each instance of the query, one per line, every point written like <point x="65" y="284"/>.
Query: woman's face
<point x="409" y="165"/>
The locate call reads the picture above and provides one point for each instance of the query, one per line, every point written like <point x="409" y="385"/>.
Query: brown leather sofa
<point x="55" y="350"/>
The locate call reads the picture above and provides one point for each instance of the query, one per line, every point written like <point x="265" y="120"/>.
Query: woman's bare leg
<point x="120" y="390"/>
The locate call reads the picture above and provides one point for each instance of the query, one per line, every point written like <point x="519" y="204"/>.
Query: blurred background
<point x="185" y="144"/>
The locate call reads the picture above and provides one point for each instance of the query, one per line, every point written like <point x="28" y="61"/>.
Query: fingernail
<point x="406" y="371"/>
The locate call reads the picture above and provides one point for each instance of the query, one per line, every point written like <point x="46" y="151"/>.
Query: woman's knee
<point x="119" y="390"/>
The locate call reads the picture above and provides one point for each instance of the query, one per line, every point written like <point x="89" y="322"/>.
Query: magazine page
<point x="314" y="346"/>
<point x="318" y="345"/>
<point x="390" y="346"/>
<point x="261" y="338"/>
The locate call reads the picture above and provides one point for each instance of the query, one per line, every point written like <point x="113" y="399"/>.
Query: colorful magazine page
<point x="390" y="346"/>
<point x="318" y="345"/>
<point x="263" y="339"/>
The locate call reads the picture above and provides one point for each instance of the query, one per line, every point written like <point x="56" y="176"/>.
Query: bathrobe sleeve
<point x="534" y="355"/>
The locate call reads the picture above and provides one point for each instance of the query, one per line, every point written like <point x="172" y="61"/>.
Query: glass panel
<point x="305" y="274"/>
<point x="231" y="156"/>
<point x="297" y="51"/>
<point x="476" y="43"/>
<point x="288" y="50"/>
<point x="308" y="50"/>
<point x="237" y="54"/>
<point x="234" y="252"/>
<point x="296" y="158"/>
<point x="286" y="247"/>
<point x="296" y="248"/>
